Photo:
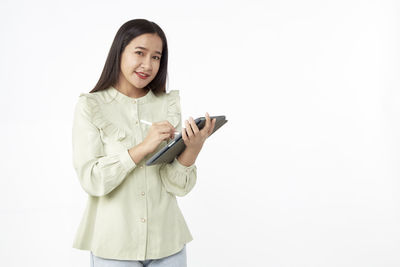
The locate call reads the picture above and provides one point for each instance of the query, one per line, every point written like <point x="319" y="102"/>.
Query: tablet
<point x="170" y="151"/>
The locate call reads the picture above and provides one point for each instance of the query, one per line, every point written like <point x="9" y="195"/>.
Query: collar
<point x="127" y="99"/>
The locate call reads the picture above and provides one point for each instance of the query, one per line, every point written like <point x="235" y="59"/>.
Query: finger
<point x="184" y="135"/>
<point x="193" y="125"/>
<point x="208" y="123"/>
<point x="165" y="136"/>
<point x="165" y="124"/>
<point x="188" y="129"/>
<point x="212" y="126"/>
<point x="161" y="122"/>
<point x="158" y="123"/>
<point x="164" y="129"/>
<point x="170" y="127"/>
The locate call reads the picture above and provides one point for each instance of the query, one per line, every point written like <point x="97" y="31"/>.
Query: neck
<point x="128" y="89"/>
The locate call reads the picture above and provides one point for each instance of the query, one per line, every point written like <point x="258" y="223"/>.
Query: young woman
<point x="132" y="217"/>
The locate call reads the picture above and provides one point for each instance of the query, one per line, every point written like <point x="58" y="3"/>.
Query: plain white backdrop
<point x="305" y="173"/>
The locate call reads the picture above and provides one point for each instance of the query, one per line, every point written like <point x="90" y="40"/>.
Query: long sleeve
<point x="177" y="178"/>
<point x="98" y="173"/>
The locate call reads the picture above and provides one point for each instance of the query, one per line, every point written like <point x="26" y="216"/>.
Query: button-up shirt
<point x="132" y="211"/>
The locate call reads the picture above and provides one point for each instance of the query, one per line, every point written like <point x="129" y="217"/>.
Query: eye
<point x="137" y="52"/>
<point x="157" y="57"/>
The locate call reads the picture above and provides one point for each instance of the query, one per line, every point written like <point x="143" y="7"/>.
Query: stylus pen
<point x="149" y="123"/>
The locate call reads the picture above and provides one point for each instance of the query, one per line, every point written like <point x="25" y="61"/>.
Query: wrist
<point x="137" y="153"/>
<point x="193" y="150"/>
<point x="142" y="148"/>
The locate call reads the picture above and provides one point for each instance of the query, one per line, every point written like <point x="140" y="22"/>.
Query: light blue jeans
<point x="175" y="260"/>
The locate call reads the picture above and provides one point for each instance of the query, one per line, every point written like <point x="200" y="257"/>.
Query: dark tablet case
<point x="170" y="151"/>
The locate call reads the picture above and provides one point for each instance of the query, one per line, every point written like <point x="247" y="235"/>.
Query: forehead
<point x="151" y="41"/>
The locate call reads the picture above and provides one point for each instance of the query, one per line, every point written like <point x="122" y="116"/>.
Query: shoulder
<point x="89" y="106"/>
<point x="173" y="97"/>
<point x="95" y="98"/>
<point x="168" y="99"/>
<point x="173" y="93"/>
<point x="88" y="102"/>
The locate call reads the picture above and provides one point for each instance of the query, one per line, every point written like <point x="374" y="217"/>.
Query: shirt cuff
<point x="180" y="167"/>
<point x="127" y="161"/>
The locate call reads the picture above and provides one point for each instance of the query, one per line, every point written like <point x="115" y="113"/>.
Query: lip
<point x="142" y="75"/>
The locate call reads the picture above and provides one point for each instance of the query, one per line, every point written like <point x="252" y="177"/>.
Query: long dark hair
<point x="128" y="31"/>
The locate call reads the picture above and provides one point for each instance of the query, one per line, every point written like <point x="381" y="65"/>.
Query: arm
<point x="194" y="139"/>
<point x="178" y="177"/>
<point x="98" y="173"/>
<point x="188" y="156"/>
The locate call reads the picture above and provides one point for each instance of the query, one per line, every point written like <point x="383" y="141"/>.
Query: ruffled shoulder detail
<point x="173" y="108"/>
<point x="91" y="105"/>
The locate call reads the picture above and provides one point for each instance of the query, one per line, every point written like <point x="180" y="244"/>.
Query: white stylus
<point x="149" y="123"/>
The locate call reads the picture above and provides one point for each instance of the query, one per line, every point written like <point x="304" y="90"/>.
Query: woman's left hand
<point x="193" y="137"/>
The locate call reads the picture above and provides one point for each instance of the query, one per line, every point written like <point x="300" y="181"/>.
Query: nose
<point x="146" y="64"/>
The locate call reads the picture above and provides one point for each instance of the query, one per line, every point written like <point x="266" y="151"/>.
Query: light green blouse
<point x="131" y="212"/>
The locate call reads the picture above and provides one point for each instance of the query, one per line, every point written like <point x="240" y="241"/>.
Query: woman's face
<point x="140" y="61"/>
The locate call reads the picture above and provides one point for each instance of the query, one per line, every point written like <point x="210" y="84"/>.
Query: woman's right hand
<point x="158" y="132"/>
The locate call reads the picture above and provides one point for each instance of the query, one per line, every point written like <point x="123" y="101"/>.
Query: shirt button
<point x="137" y="122"/>
<point x="143" y="193"/>
<point x="143" y="220"/>
<point x="134" y="101"/>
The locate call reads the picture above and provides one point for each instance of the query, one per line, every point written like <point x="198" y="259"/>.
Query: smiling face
<point x="140" y="62"/>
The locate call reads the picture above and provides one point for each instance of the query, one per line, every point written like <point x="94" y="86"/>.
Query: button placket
<point x="143" y="220"/>
<point x="136" y="108"/>
<point x="136" y="119"/>
<point x="135" y="116"/>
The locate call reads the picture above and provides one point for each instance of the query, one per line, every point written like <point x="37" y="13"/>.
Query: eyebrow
<point x="158" y="52"/>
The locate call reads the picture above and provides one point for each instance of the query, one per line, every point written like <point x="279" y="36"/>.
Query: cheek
<point x="128" y="65"/>
<point x="156" y="67"/>
<point x="124" y="67"/>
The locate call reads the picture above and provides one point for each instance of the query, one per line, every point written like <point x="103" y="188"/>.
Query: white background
<point x="305" y="173"/>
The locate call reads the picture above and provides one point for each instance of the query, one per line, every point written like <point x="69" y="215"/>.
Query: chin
<point x="139" y="85"/>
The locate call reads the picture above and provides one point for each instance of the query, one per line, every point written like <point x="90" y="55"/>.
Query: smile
<point x="142" y="76"/>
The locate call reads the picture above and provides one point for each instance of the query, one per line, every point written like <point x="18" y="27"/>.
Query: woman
<point x="132" y="217"/>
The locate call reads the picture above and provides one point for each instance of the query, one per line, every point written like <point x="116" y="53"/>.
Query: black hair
<point x="112" y="68"/>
